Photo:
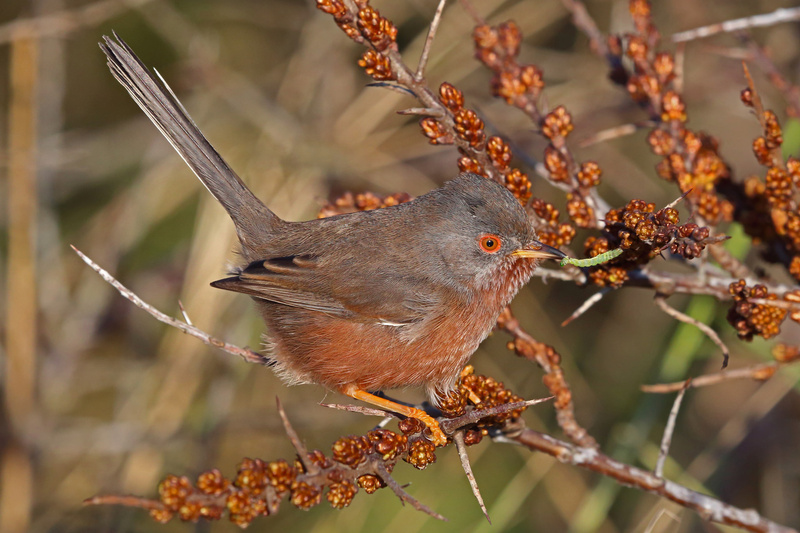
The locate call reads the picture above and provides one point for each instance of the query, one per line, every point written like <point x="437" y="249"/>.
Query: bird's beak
<point x="537" y="250"/>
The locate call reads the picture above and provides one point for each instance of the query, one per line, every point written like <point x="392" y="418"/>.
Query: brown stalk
<point x="591" y="459"/>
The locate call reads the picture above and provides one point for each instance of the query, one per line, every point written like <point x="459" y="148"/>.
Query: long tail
<point x="254" y="221"/>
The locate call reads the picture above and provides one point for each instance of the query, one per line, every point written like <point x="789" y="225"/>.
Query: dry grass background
<point x="111" y="400"/>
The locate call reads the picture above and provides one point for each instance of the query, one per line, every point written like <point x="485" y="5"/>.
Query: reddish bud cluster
<point x="556" y="164"/>
<point x="342" y="17"/>
<point x="368" y="25"/>
<point x="644" y="233"/>
<point x="451" y="97"/>
<point x="421" y="453"/>
<point x="379" y="31"/>
<point x="518" y="183"/>
<point x="377" y="66"/>
<point x="589" y="174"/>
<point x="770" y="211"/>
<point x="350" y="203"/>
<point x="485" y="392"/>
<point x="579" y="211"/>
<point x="469" y="127"/>
<point x="499" y="152"/>
<point x="468" y="164"/>
<point x="557" y="123"/>
<point x="453" y="404"/>
<point x="435" y="131"/>
<point x="690" y="159"/>
<point x="497" y="48"/>
<point x="751" y="319"/>
<point x="693" y="162"/>
<point x="555" y="233"/>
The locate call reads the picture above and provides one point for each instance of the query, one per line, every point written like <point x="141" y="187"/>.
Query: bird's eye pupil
<point x="490" y="243"/>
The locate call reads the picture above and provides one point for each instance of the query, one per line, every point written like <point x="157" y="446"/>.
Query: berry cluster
<point x="350" y="203"/>
<point x="553" y="232"/>
<point x="258" y="487"/>
<point x="751" y="319"/>
<point x="497" y="47"/>
<point x="367" y="27"/>
<point x="689" y="159"/>
<point x="771" y="211"/>
<point x="644" y="233"/>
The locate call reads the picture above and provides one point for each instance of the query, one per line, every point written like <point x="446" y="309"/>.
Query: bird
<point x="368" y="301"/>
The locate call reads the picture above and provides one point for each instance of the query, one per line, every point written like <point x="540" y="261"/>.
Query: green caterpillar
<point x="592" y="261"/>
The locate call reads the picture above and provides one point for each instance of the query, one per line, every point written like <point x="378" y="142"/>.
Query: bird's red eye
<point x="490" y="243"/>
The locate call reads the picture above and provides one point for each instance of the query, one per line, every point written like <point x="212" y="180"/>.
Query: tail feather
<point x="252" y="218"/>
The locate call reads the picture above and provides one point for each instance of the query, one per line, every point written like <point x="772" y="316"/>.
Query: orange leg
<point x="437" y="435"/>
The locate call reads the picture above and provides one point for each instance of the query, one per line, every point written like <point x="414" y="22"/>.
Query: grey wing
<point x="301" y="281"/>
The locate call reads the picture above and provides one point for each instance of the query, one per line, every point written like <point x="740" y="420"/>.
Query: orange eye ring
<point x="490" y="243"/>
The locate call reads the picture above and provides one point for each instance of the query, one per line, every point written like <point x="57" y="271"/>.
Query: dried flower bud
<point x="173" y="491"/>
<point x="664" y="65"/>
<point x="556" y="164"/>
<point x="509" y="38"/>
<point x="673" y="108"/>
<point x="435" y="131"/>
<point x="784" y="353"/>
<point x="772" y="129"/>
<point x="421" y="453"/>
<point x="253" y="476"/>
<point x="379" y="31"/>
<point x="351" y="451"/>
<point x="162" y="516"/>
<point x="450" y="97"/>
<point x="578" y="211"/>
<point x="467" y="164"/>
<point x="305" y="496"/>
<point x="589" y="174"/>
<point x="370" y="483"/>
<point x="636" y="49"/>
<point x="212" y="482"/>
<point x="661" y="142"/>
<point x="557" y="123"/>
<point x="499" y="152"/>
<point x="473" y="436"/>
<point x="747" y="97"/>
<point x="794" y="267"/>
<point x="376" y="65"/>
<point x="387" y="444"/>
<point x="280" y="475"/>
<point x="518" y="183"/>
<point x="469" y="127"/>
<point x="340" y="495"/>
<point x="762" y="151"/>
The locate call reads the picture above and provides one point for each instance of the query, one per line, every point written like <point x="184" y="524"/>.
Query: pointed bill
<point x="537" y="250"/>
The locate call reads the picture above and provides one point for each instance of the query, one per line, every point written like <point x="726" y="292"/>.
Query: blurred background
<point x="100" y="398"/>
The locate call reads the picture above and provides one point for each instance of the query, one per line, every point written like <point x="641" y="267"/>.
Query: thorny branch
<point x="591" y="459"/>
<point x="248" y="355"/>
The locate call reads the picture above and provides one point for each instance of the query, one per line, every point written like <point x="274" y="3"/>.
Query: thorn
<point x="458" y="438"/>
<point x="391" y="87"/>
<point x="302" y="452"/>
